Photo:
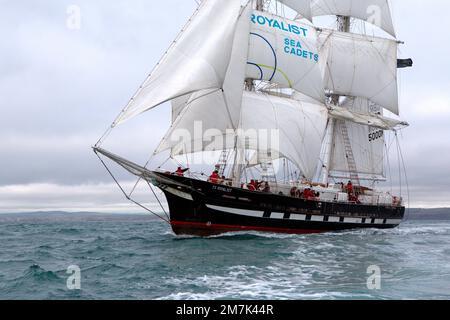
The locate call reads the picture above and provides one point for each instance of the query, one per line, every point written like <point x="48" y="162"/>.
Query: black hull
<point x="204" y="209"/>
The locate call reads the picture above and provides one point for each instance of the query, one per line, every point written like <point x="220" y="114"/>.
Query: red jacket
<point x="214" y="178"/>
<point x="350" y="188"/>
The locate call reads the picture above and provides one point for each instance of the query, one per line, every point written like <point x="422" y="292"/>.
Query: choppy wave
<point x="144" y="260"/>
<point x="35" y="272"/>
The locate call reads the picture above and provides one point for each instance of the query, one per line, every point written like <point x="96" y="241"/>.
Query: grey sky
<point x="60" y="88"/>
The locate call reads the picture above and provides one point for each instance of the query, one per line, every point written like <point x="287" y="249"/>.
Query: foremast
<point x="239" y="162"/>
<point x="260" y="5"/>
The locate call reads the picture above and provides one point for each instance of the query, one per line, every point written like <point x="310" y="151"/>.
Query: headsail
<point x="198" y="60"/>
<point x="376" y="12"/>
<point x="215" y="110"/>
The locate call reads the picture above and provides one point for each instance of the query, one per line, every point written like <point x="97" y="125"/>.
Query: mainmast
<point x="343" y="25"/>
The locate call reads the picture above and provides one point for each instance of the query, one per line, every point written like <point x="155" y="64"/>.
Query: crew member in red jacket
<point x="349" y="187"/>
<point x="214" y="177"/>
<point x="180" y="171"/>
<point x="252" y="185"/>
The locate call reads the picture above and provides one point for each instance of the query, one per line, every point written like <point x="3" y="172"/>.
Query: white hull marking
<point x="293" y="216"/>
<point x="277" y="215"/>
<point x="179" y="193"/>
<point x="353" y="220"/>
<point x="317" y="218"/>
<point x="300" y="217"/>
<point x="393" y="221"/>
<point x="242" y="212"/>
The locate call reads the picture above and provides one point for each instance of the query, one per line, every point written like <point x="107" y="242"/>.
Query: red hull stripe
<point x="198" y="225"/>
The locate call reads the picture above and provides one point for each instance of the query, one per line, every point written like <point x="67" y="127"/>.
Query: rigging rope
<point x="160" y="204"/>
<point x="406" y="176"/>
<point x="129" y="104"/>
<point x="126" y="195"/>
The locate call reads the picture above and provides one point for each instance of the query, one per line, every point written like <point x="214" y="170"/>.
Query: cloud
<point x="60" y="88"/>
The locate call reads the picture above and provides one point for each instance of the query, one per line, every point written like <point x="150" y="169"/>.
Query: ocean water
<point x="137" y="257"/>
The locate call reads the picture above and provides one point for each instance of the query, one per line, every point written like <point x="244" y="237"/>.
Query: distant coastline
<point x="429" y="214"/>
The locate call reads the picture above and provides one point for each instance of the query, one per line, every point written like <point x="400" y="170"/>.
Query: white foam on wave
<point x="325" y="266"/>
<point x="258" y="234"/>
<point x="277" y="281"/>
<point x="405" y="229"/>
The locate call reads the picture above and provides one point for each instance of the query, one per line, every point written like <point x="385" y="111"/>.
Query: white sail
<point x="198" y="59"/>
<point x="285" y="52"/>
<point x="361" y="66"/>
<point x="298" y="128"/>
<point x="209" y="113"/>
<point x="302" y="7"/>
<point x="234" y="83"/>
<point x="301" y="127"/>
<point x="367" y="145"/>
<point x="376" y="12"/>
<point x="201" y="126"/>
<point x="178" y="104"/>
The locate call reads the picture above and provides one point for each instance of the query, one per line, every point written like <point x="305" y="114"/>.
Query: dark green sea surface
<point x="137" y="257"/>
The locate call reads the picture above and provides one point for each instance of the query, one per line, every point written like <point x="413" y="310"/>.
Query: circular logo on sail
<point x="271" y="67"/>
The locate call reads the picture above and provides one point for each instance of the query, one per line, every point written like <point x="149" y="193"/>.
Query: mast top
<point x="343" y="23"/>
<point x="260" y="5"/>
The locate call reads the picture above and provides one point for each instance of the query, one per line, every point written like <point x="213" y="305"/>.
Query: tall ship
<point x="295" y="115"/>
